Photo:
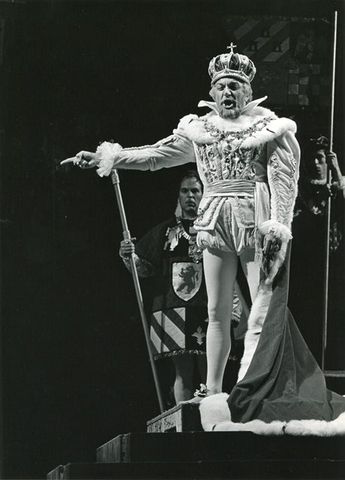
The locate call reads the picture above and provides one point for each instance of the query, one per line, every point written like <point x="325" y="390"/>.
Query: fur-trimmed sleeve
<point x="172" y="151"/>
<point x="282" y="171"/>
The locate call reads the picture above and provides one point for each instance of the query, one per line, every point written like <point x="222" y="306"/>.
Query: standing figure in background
<point x="178" y="320"/>
<point x="316" y="188"/>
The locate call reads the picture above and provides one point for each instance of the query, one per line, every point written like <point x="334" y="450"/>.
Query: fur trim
<point x="272" y="131"/>
<point x="256" y="320"/>
<point x="192" y="126"/>
<point x="214" y="409"/>
<point x="215" y="416"/>
<point x="106" y="153"/>
<point x="271" y="231"/>
<point x="279" y="230"/>
<point x="320" y="428"/>
<point x="256" y="426"/>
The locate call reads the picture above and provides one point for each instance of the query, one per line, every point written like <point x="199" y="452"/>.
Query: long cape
<point x="283" y="384"/>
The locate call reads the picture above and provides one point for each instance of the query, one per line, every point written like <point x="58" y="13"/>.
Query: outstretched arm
<point x="170" y="152"/>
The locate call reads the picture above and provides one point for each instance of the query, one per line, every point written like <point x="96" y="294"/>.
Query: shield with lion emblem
<point x="186" y="279"/>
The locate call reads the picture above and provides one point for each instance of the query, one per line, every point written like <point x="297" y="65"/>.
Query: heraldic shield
<point x="186" y="279"/>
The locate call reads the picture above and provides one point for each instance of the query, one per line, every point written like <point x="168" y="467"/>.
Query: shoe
<point x="203" y="392"/>
<point x="198" y="395"/>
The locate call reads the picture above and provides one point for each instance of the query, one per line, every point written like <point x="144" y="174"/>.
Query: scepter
<point x="127" y="236"/>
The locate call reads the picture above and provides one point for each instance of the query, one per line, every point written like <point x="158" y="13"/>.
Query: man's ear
<point x="211" y="93"/>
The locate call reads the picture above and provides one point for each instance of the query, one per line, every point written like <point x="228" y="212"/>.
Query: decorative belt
<point x="230" y="188"/>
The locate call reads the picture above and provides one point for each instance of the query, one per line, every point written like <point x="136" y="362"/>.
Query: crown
<point x="231" y="65"/>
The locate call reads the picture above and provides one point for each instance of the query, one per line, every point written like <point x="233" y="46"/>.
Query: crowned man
<point x="248" y="161"/>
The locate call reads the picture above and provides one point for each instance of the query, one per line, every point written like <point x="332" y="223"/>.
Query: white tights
<point x="220" y="274"/>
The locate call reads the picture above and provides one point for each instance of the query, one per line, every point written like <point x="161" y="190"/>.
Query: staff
<point x="78" y="160"/>
<point x="328" y="210"/>
<point x="127" y="236"/>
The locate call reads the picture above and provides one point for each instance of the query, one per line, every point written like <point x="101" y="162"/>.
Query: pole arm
<point x="328" y="207"/>
<point x="127" y="236"/>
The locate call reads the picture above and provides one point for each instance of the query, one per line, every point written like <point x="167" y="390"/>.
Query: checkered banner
<point x="293" y="57"/>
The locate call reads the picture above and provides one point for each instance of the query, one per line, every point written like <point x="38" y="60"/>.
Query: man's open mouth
<point x="229" y="103"/>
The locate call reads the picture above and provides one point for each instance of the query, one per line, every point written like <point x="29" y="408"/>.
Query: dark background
<point x="75" y="371"/>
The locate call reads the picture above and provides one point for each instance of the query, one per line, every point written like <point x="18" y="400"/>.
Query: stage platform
<point x="234" y="470"/>
<point x="168" y="451"/>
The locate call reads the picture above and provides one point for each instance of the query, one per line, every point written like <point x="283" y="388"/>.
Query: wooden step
<point x="218" y="447"/>
<point x="182" y="418"/>
<point x="57" y="473"/>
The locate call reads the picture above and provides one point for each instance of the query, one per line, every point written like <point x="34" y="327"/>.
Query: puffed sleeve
<point x="172" y="151"/>
<point x="283" y="158"/>
<point x="283" y="174"/>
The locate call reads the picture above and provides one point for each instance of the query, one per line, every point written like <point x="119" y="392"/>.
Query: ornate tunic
<point x="253" y="159"/>
<point x="238" y="158"/>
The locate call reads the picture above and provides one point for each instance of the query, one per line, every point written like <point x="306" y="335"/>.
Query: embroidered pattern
<point x="210" y="208"/>
<point x="199" y="335"/>
<point x="225" y="158"/>
<point x="233" y="136"/>
<point x="243" y="216"/>
<point x="283" y="192"/>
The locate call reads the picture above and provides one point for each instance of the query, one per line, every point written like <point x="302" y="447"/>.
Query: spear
<point x="127" y="236"/>
<point x="328" y="210"/>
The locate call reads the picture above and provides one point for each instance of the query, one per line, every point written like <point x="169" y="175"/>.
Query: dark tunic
<point x="179" y="309"/>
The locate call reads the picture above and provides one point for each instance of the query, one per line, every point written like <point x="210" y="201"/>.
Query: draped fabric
<point x="283" y="382"/>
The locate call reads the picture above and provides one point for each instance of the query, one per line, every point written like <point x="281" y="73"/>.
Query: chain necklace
<point x="178" y="231"/>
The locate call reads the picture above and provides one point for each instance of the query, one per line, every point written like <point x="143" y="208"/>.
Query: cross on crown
<point x="231" y="46"/>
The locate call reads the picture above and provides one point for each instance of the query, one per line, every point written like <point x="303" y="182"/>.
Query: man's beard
<point x="230" y="114"/>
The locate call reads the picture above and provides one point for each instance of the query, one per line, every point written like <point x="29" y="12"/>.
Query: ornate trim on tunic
<point x="283" y="193"/>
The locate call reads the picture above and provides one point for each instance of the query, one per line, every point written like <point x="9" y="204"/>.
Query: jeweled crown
<point x="231" y="65"/>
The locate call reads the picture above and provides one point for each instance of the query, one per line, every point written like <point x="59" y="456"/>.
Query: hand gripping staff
<point x="127" y="236"/>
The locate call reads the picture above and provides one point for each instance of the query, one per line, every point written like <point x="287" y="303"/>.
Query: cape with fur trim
<point x="283" y="390"/>
<point x="193" y="127"/>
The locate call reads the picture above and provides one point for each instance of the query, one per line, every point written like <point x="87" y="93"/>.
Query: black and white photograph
<point x="172" y="239"/>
